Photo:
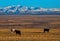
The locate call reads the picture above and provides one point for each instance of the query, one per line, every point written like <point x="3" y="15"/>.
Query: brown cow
<point x="46" y="30"/>
<point x="16" y="31"/>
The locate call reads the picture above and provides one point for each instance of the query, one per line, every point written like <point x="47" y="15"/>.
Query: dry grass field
<point x="30" y="35"/>
<point x="31" y="27"/>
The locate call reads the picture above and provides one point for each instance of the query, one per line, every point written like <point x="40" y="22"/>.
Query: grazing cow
<point x="16" y="31"/>
<point x="46" y="30"/>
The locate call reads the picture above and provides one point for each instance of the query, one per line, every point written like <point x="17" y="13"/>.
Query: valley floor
<point x="30" y="35"/>
<point x="31" y="27"/>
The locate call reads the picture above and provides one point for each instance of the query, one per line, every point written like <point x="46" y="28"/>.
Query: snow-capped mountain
<point x="23" y="10"/>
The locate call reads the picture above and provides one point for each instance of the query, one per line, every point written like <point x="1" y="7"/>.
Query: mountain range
<point x="23" y="10"/>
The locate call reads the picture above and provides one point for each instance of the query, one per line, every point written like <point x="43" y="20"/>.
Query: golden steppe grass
<point x="31" y="27"/>
<point x="30" y="35"/>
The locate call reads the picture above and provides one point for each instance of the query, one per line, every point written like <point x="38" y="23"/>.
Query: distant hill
<point x="23" y="10"/>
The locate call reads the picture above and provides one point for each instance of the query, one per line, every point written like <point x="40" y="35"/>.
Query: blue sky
<point x="29" y="3"/>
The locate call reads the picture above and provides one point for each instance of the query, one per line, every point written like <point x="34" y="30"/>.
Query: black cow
<point x="16" y="31"/>
<point x="46" y="30"/>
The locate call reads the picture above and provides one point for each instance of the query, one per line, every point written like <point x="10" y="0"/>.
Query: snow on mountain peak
<point x="23" y="9"/>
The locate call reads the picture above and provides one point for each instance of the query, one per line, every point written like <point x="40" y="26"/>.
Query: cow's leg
<point x="48" y="31"/>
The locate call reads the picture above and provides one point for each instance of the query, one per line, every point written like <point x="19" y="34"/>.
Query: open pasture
<point x="31" y="27"/>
